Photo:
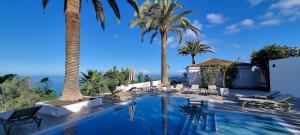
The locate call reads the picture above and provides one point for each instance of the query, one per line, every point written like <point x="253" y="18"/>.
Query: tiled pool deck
<point x="292" y="118"/>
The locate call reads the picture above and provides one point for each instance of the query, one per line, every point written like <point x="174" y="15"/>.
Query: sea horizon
<point x="57" y="81"/>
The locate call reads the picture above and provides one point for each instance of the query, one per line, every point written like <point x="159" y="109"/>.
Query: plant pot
<point x="223" y="91"/>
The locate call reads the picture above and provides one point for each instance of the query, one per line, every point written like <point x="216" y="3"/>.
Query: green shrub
<point x="18" y="94"/>
<point x="209" y="74"/>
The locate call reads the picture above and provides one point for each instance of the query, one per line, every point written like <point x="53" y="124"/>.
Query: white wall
<point x="285" y="76"/>
<point x="246" y="78"/>
<point x="138" y="85"/>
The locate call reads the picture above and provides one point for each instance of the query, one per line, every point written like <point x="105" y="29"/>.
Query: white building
<point x="248" y="76"/>
<point x="285" y="75"/>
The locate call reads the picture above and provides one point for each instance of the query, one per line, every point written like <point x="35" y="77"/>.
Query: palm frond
<point x="184" y="13"/>
<point x="134" y="4"/>
<point x="115" y="8"/>
<point x="153" y="37"/>
<point x="44" y="4"/>
<point x="65" y="5"/>
<point x="99" y="12"/>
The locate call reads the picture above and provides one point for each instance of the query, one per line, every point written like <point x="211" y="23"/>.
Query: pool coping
<point x="84" y="117"/>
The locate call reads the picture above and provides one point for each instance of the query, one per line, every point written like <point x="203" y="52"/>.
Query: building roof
<point x="218" y="61"/>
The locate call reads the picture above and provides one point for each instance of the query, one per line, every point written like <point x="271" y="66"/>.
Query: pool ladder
<point x="207" y="126"/>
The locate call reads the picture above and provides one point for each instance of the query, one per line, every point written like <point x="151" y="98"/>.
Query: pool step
<point x="206" y="126"/>
<point x="211" y="123"/>
<point x="186" y="126"/>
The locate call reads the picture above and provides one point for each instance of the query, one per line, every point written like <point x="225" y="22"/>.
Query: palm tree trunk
<point x="193" y="59"/>
<point x="164" y="66"/>
<point x="71" y="83"/>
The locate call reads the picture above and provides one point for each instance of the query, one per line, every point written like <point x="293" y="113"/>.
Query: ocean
<point x="57" y="82"/>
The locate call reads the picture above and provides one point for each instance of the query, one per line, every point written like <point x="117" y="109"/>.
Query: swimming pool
<point x="166" y="115"/>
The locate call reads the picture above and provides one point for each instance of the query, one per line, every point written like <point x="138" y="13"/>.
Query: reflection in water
<point x="165" y="114"/>
<point x="71" y="129"/>
<point x="131" y="109"/>
<point x="194" y="112"/>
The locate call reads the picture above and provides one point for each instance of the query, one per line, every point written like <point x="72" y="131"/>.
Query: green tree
<point x="18" y="94"/>
<point x="159" y="17"/>
<point x="147" y="78"/>
<point x="194" y="47"/>
<point x="72" y="8"/>
<point x="7" y="77"/>
<point x="45" y="83"/>
<point x="262" y="57"/>
<point x="140" y="77"/>
<point x="93" y="83"/>
<point x="113" y="76"/>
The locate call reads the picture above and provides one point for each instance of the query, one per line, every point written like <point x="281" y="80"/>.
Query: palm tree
<point x="72" y="18"/>
<point x="93" y="83"/>
<point x="194" y="47"/>
<point x="159" y="17"/>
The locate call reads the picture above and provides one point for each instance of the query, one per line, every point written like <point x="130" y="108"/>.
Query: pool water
<point x="166" y="115"/>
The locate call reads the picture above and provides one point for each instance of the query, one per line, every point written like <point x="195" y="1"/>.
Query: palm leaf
<point x="99" y="12"/>
<point x="153" y="37"/>
<point x="44" y="4"/>
<point x="115" y="8"/>
<point x="134" y="4"/>
<point x="184" y="13"/>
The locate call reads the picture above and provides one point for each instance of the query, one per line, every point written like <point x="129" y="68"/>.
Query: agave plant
<point x="159" y="17"/>
<point x="194" y="47"/>
<point x="72" y="8"/>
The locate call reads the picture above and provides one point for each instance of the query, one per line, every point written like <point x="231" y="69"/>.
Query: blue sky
<point x="34" y="44"/>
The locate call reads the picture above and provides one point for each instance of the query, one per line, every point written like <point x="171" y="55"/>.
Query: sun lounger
<point x="277" y="102"/>
<point x="178" y="88"/>
<point x="270" y="95"/>
<point x="194" y="88"/>
<point x="132" y="91"/>
<point x="114" y="96"/>
<point x="19" y="117"/>
<point x="212" y="89"/>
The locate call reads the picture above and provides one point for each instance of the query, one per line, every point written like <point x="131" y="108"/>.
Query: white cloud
<point x="170" y="40"/>
<point x="190" y="33"/>
<point x="286" y="4"/>
<point x="270" y="22"/>
<point x="232" y="29"/>
<point x="215" y="18"/>
<point x="236" y="46"/>
<point x="282" y="11"/>
<point x="145" y="71"/>
<point x="116" y="36"/>
<point x="238" y="26"/>
<point x="255" y="2"/>
<point x="247" y="22"/>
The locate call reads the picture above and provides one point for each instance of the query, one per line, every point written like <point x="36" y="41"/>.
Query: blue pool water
<point x="165" y="115"/>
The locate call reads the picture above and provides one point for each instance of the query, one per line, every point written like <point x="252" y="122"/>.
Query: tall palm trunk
<point x="71" y="83"/>
<point x="193" y="59"/>
<point x="164" y="66"/>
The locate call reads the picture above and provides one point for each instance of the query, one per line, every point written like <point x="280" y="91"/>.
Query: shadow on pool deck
<point x="222" y="103"/>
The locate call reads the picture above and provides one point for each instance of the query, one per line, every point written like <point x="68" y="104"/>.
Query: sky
<point x="33" y="43"/>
